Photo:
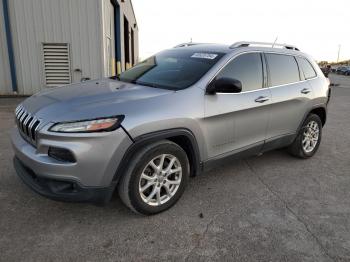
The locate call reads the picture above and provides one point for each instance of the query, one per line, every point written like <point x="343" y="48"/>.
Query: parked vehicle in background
<point x="172" y="116"/>
<point x="342" y="70"/>
<point x="347" y="71"/>
<point x="339" y="69"/>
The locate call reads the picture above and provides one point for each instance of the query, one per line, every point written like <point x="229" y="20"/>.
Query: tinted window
<point x="246" y="68"/>
<point x="306" y="67"/>
<point x="173" y="69"/>
<point x="283" y="69"/>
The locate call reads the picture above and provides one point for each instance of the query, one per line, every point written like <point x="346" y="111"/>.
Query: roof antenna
<point x="274" y="42"/>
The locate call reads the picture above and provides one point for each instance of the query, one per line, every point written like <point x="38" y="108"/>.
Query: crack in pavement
<point x="225" y="211"/>
<point x="291" y="211"/>
<point x="202" y="236"/>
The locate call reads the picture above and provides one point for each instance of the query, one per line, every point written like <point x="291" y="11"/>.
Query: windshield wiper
<point x="139" y="83"/>
<point x="146" y="84"/>
<point x="116" y="77"/>
<point x="157" y="86"/>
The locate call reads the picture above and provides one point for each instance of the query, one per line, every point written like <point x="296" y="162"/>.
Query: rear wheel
<point x="156" y="178"/>
<point x="309" y="138"/>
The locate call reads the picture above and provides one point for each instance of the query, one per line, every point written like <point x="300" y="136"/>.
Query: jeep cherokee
<point x="177" y="113"/>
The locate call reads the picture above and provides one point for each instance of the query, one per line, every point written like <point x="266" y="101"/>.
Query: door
<point x="290" y="95"/>
<point x="109" y="42"/>
<point x="132" y="47"/>
<point x="126" y="44"/>
<point x="238" y="121"/>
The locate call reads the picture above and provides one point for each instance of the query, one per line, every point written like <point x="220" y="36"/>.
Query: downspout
<point x="10" y="46"/>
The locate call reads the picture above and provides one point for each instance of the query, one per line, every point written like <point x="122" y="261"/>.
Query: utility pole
<point x="338" y="53"/>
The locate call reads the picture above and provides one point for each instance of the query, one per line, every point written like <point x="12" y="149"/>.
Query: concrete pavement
<point x="268" y="208"/>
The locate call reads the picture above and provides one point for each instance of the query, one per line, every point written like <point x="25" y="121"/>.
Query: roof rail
<point x="186" y="44"/>
<point x="272" y="45"/>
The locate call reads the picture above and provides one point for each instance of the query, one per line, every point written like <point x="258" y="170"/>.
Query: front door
<point x="238" y="121"/>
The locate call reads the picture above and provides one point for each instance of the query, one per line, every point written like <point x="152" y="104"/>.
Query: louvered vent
<point x="56" y="64"/>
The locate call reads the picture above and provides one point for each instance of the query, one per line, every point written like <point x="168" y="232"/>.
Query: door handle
<point x="261" y="99"/>
<point x="305" y="91"/>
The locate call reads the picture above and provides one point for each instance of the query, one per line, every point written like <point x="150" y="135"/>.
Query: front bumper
<point x="89" y="179"/>
<point x="68" y="191"/>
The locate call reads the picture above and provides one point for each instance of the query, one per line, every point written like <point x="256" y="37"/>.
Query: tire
<point x="299" y="147"/>
<point x="133" y="182"/>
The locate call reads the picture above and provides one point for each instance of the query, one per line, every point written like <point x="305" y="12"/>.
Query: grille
<point x="27" y="124"/>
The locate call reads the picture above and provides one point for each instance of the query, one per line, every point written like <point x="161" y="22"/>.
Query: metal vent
<point x="27" y="124"/>
<point x="56" y="64"/>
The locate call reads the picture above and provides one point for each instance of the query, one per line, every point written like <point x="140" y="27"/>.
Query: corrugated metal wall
<point x="5" y="77"/>
<point x="75" y="22"/>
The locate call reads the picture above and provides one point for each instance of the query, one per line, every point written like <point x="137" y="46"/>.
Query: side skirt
<point x="253" y="150"/>
<point x="278" y="142"/>
<point x="240" y="153"/>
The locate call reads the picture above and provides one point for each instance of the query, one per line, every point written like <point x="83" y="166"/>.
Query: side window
<point x="306" y="67"/>
<point x="283" y="69"/>
<point x="246" y="68"/>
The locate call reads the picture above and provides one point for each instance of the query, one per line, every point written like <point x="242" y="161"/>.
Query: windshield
<point x="173" y="69"/>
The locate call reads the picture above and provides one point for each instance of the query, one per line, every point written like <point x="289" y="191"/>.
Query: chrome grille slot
<point x="27" y="124"/>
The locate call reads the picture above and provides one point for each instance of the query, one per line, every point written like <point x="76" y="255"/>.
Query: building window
<point x="56" y="64"/>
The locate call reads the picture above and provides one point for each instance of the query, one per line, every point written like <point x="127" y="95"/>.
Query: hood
<point x="88" y="100"/>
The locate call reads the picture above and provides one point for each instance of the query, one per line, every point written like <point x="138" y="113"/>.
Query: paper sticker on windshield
<point x="204" y="56"/>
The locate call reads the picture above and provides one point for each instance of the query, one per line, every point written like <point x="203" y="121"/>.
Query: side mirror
<point x="224" y="85"/>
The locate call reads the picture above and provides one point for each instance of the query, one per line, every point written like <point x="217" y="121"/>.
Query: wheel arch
<point x="181" y="136"/>
<point x="321" y="112"/>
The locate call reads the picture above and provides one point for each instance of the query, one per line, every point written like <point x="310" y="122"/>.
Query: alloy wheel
<point x="310" y="136"/>
<point x="160" y="179"/>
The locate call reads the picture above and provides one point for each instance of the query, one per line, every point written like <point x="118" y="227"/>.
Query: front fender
<point x="192" y="148"/>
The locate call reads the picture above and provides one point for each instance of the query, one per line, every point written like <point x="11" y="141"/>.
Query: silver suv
<point x="179" y="112"/>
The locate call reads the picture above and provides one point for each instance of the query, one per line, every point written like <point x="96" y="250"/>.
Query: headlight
<point x="86" y="126"/>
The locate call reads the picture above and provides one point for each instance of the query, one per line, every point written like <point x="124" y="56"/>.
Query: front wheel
<point x="309" y="138"/>
<point x="155" y="179"/>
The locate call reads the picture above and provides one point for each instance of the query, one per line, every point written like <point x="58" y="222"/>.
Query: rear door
<point x="291" y="95"/>
<point x="238" y="121"/>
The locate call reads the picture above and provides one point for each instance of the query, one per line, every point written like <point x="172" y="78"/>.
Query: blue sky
<point x="316" y="27"/>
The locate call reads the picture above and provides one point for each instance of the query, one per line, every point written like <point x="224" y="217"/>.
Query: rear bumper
<point x="62" y="190"/>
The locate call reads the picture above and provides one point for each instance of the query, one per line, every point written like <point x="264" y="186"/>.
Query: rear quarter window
<point x="306" y="68"/>
<point x="283" y="69"/>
